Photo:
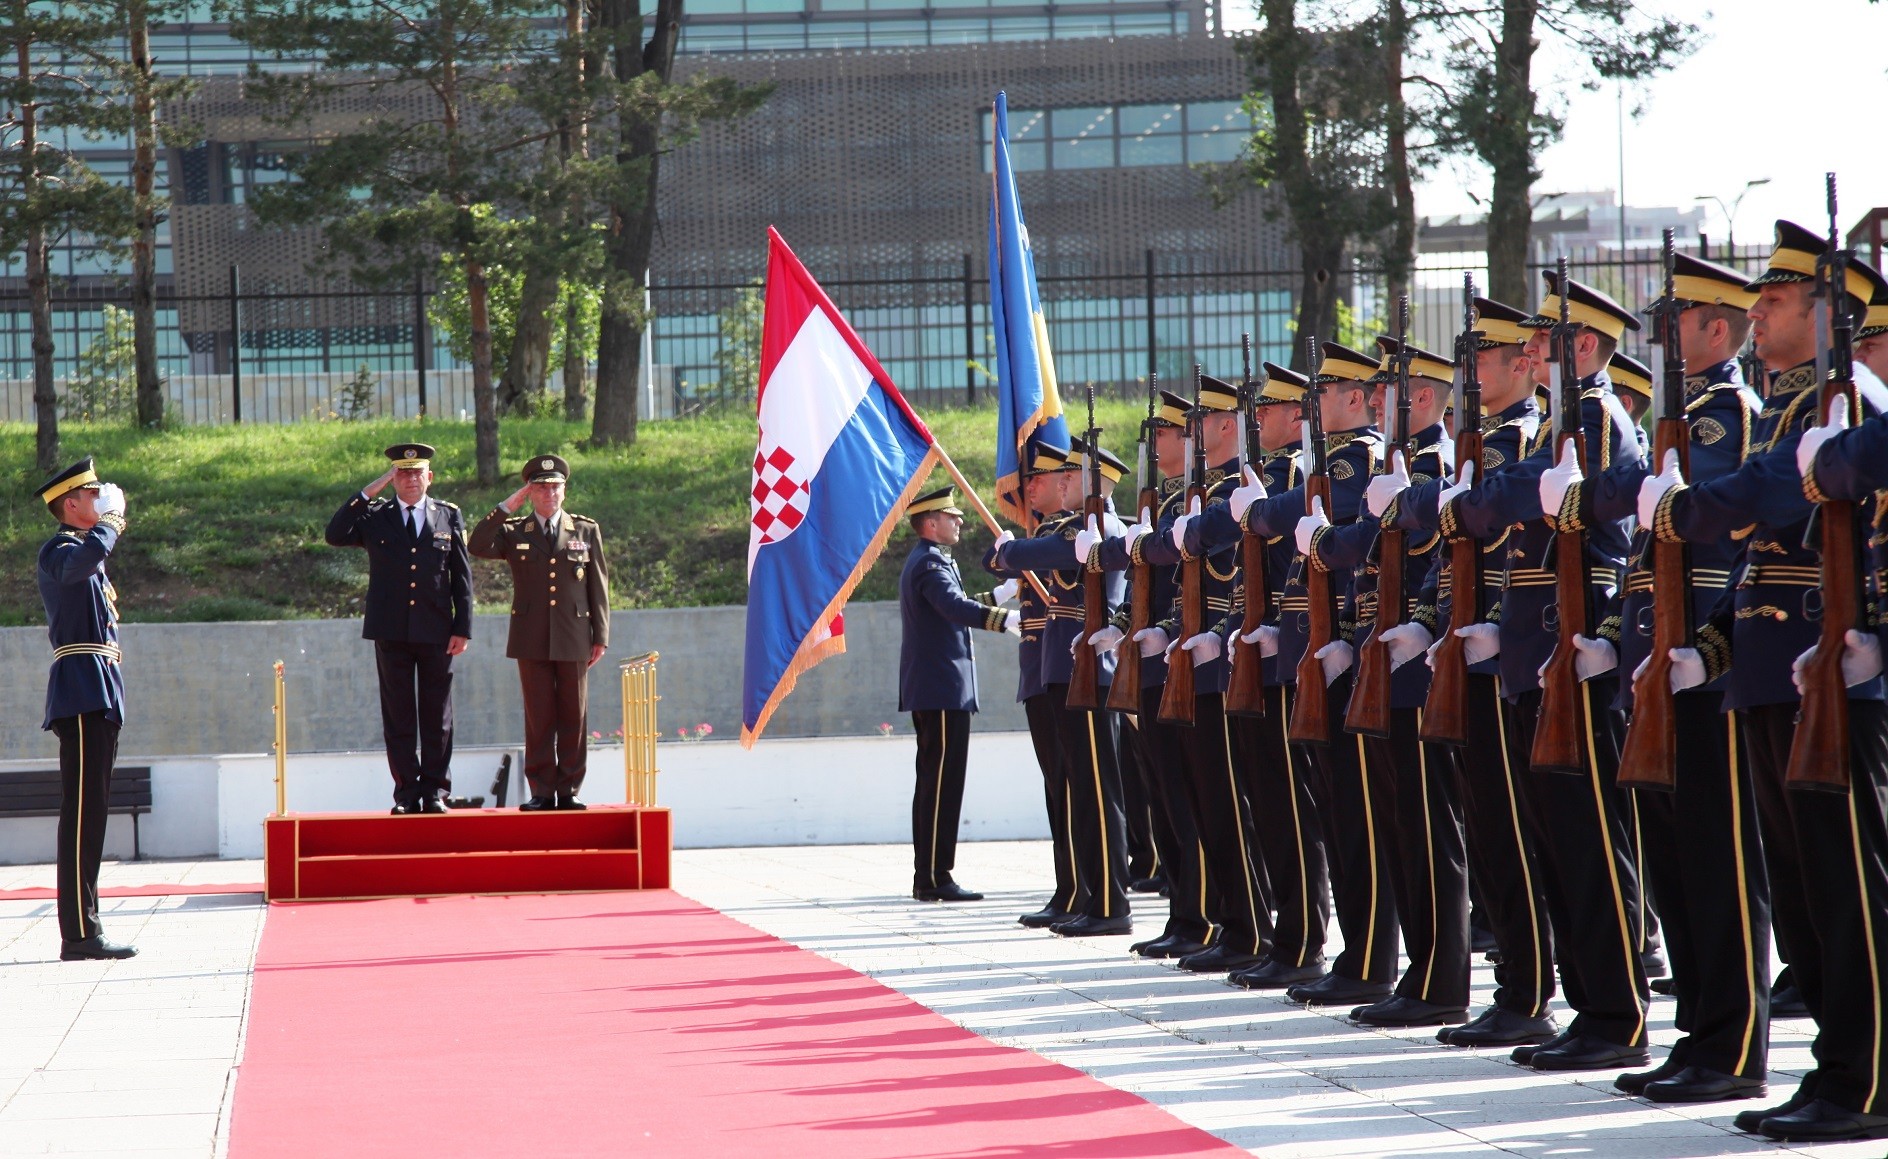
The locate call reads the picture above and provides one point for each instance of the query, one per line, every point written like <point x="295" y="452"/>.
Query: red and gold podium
<point x="357" y="856"/>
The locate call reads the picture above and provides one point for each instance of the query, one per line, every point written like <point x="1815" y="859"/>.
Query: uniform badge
<point x="411" y="453"/>
<point x="578" y="545"/>
<point x="1708" y="431"/>
<point x="1492" y="458"/>
<point x="1342" y="470"/>
<point x="580" y="571"/>
<point x="547" y="465"/>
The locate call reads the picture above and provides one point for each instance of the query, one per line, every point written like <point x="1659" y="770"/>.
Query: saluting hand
<point x="510" y="505"/>
<point x="380" y="484"/>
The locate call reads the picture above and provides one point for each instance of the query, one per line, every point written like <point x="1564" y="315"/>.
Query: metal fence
<point x="282" y="354"/>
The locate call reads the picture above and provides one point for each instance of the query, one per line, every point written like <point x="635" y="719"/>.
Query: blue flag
<point x="1028" y="405"/>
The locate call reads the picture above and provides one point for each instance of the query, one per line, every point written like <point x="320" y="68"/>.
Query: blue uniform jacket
<point x="1112" y="555"/>
<point x="1219" y="571"/>
<point x="82" y="624"/>
<point x="1721" y="412"/>
<point x="936" y="668"/>
<point x="1050" y="555"/>
<point x="1282" y="473"/>
<point x="417" y="590"/>
<point x="1035" y="621"/>
<point x="1775" y="607"/>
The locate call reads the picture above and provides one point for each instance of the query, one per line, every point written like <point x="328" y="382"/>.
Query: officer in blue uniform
<point x="85" y="690"/>
<point x="937" y="685"/>
<point x="1701" y="839"/>
<point x="418" y="613"/>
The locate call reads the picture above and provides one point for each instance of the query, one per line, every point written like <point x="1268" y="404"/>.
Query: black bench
<point x="35" y="793"/>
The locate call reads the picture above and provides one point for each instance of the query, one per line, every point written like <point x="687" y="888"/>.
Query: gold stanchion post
<point x="639" y="728"/>
<point x="281" y="742"/>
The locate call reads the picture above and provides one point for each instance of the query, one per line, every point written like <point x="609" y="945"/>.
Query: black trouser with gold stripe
<point x="938" y="802"/>
<point x="1288" y="821"/>
<point x="1225" y="823"/>
<point x="1502" y="839"/>
<point x="1182" y="857"/>
<point x="1137" y="803"/>
<point x="88" y="747"/>
<point x="1591" y="879"/>
<point x="1097" y="825"/>
<point x="1700" y="842"/>
<point x="1829" y="886"/>
<point x="1358" y="823"/>
<point x="1055" y="792"/>
<point x="1430" y="866"/>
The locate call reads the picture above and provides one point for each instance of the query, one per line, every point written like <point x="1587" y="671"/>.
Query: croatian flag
<point x="840" y="455"/>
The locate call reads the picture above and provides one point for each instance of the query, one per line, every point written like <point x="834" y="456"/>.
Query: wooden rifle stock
<point x="1445" y="712"/>
<point x="1311" y="708"/>
<point x="1560" y="734"/>
<point x="1649" y="759"/>
<point x="1085" y="674"/>
<point x="1245" y="690"/>
<point x="1369" y="711"/>
<point x="1125" y="694"/>
<point x="1176" y="701"/>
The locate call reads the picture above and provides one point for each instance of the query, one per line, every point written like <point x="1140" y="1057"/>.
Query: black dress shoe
<point x="1652" y="961"/>
<point x="1273" y="974"/>
<point x="1089" y="926"/>
<point x="1788" y="1003"/>
<point x="1337" y="990"/>
<point x="1398" y="1010"/>
<point x="946" y="890"/>
<point x="1043" y="918"/>
<point x="570" y="803"/>
<point x="1633" y="1082"/>
<point x="1696" y="1084"/>
<point x="1524" y="1054"/>
<point x="1821" y="1120"/>
<point x="1145" y="885"/>
<point x="94" y="949"/>
<point x="1169" y="946"/>
<point x="401" y="809"/>
<point x="1585" y="1052"/>
<point x="1218" y="959"/>
<point x="432" y="805"/>
<point x="538" y="805"/>
<point x="1749" y="1122"/>
<point x="1666" y="986"/>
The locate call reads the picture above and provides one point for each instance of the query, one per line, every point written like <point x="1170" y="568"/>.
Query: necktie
<point x="413" y="521"/>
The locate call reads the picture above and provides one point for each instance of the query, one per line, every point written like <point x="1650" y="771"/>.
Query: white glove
<point x="1336" y="657"/>
<point x="1464" y="479"/>
<point x="1480" y="642"/>
<point x="1655" y="488"/>
<point x="1085" y="541"/>
<point x="1557" y="480"/>
<point x="1384" y="489"/>
<point x="1003" y="537"/>
<point x="1429" y="654"/>
<point x="1153" y="641"/>
<point x="1406" y="642"/>
<point x="1179" y="535"/>
<point x="1245" y="495"/>
<point x="1108" y="639"/>
<point x="1595" y="658"/>
<point x="1006" y="591"/>
<point x="110" y="500"/>
<point x="1204" y="648"/>
<point x="1266" y="637"/>
<point x="1815" y="437"/>
<point x="1134" y="531"/>
<point x="1687" y="668"/>
<point x="1861" y="660"/>
<point x="1013" y="622"/>
<point x="1308" y="525"/>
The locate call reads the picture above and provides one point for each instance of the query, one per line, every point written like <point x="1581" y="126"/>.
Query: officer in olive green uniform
<point x="560" y="623"/>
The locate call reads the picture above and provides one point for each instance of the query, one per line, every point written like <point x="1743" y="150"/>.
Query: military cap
<point x="1216" y="394"/>
<point x="1499" y="325"/>
<point x="1172" y="411"/>
<point x="1422" y="364"/>
<point x="80" y="474"/>
<point x="1044" y="459"/>
<point x="1793" y="259"/>
<point x="1630" y="373"/>
<point x="546" y="469"/>
<point x="1112" y="468"/>
<point x="1282" y="385"/>
<point x="1586" y="306"/>
<point x="410" y="456"/>
<point x="1875" y="322"/>
<point x="1703" y="283"/>
<point x="1342" y="364"/>
<point x="943" y="499"/>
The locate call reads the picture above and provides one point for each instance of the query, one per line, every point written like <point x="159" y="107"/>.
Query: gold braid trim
<point x="1662" y="529"/>
<point x="1314" y="557"/>
<point x="1715" y="648"/>
<point x="1568" y="517"/>
<point x="114" y="521"/>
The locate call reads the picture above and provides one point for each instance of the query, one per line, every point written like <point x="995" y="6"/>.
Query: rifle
<point x="1819" y="754"/>
<point x="1125" y="694"/>
<point x="1369" y="711"/>
<point x="1176" y="701"/>
<point x="1650" y="757"/>
<point x="1311" y="708"/>
<point x="1245" y="689"/>
<point x="1560" y="735"/>
<point x="1085" y="674"/>
<point x="1445" y="712"/>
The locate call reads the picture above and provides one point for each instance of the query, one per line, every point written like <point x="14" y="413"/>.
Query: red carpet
<point x="629" y="1023"/>
<point x="45" y="893"/>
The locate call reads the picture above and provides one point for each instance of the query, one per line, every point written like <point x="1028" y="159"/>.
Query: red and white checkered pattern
<point x="780" y="495"/>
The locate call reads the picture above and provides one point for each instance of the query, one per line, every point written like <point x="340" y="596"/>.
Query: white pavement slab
<point x="141" y="1057"/>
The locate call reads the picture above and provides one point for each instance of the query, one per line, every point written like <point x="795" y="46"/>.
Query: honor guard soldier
<point x="937" y="685"/>
<point x="85" y="690"/>
<point x="560" y="623"/>
<point x="418" y="614"/>
<point x="1700" y="839"/>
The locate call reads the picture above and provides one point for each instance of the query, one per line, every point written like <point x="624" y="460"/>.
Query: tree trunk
<point x="150" y="392"/>
<point x="45" y="399"/>
<point x="1400" y="255"/>
<point x="1319" y="262"/>
<point x="632" y="222"/>
<point x="484" y="408"/>
<point x="576" y="403"/>
<point x="527" y="367"/>
<point x="1509" y="151"/>
<point x="1321" y="254"/>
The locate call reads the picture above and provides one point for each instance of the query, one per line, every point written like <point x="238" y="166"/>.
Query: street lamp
<point x="1730" y="212"/>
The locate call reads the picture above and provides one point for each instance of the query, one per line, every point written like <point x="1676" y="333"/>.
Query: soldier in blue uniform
<point x="418" y="614"/>
<point x="85" y="690"/>
<point x="1824" y="852"/>
<point x="1700" y="840"/>
<point x="937" y="685"/>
